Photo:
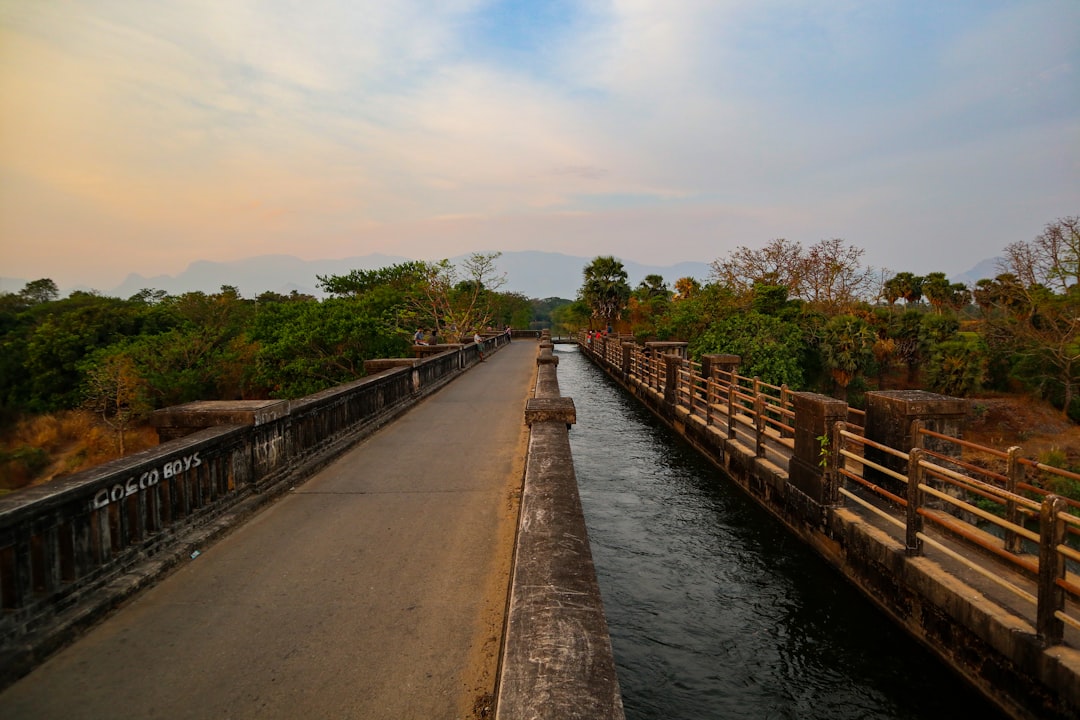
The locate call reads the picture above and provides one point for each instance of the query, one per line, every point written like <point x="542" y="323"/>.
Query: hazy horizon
<point x="147" y="137"/>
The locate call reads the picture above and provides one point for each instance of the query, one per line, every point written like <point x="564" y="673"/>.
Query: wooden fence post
<point x="914" y="525"/>
<point x="1015" y="475"/>
<point x="1050" y="629"/>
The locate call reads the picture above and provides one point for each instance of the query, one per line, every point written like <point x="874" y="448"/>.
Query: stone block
<point x="550" y="409"/>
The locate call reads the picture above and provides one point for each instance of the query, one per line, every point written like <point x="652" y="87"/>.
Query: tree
<point x="115" y="391"/>
<point x="834" y="277"/>
<point x="649" y="303"/>
<point x="830" y="274"/>
<point x="1052" y="259"/>
<point x="403" y="277"/>
<point x="943" y="294"/>
<point x="904" y="286"/>
<point x="778" y="263"/>
<point x="39" y="291"/>
<point x="847" y="348"/>
<point x="1031" y="311"/>
<point x="686" y="287"/>
<point x="958" y="366"/>
<point x="605" y="290"/>
<point x="511" y="308"/>
<point x="305" y="347"/>
<point x="461" y="299"/>
<point x="769" y="348"/>
<point x="567" y="319"/>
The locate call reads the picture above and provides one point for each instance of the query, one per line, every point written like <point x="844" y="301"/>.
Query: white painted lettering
<point x="148" y="479"/>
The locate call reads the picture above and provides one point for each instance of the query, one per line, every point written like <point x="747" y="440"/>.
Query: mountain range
<point x="534" y="274"/>
<point x="531" y="273"/>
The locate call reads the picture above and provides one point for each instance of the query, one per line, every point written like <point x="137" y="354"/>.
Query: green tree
<point x="605" y="289"/>
<point x="39" y="291"/>
<point x="1031" y="311"/>
<point x="55" y="336"/>
<point x="847" y="348"/>
<point x="402" y="278"/>
<point x="569" y="318"/>
<point x="944" y="294"/>
<point x="904" y="286"/>
<point x="305" y="347"/>
<point x="958" y="366"/>
<point x="769" y="348"/>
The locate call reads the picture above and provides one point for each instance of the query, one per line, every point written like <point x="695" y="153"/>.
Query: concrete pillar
<point x="723" y="363"/>
<point x="889" y="414"/>
<point x="815" y="415"/>
<point x="667" y="348"/>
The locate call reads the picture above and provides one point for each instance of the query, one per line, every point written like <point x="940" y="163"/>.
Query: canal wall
<point x="998" y="652"/>
<point x="73" y="549"/>
<point x="557" y="660"/>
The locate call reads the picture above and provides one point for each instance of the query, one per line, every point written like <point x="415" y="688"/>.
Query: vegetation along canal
<point x="715" y="610"/>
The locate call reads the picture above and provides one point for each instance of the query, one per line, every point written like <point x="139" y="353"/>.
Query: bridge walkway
<point x="376" y="589"/>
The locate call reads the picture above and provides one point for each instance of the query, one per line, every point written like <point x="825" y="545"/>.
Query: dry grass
<point x="43" y="447"/>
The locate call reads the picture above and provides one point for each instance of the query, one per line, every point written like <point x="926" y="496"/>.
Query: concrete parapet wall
<point x="557" y="662"/>
<point x="72" y="549"/>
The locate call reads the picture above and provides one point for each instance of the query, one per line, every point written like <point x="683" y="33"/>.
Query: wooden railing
<point x="746" y="408"/>
<point x="984" y="514"/>
<point x="985" y="517"/>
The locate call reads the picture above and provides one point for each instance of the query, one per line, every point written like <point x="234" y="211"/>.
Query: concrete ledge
<point x="557" y="662"/>
<point x="376" y="366"/>
<point x="178" y="421"/>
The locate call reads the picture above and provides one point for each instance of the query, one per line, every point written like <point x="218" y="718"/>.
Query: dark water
<point x="715" y="610"/>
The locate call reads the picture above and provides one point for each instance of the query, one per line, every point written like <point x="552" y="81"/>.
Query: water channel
<point x="715" y="610"/>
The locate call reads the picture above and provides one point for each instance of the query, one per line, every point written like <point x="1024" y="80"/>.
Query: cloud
<point x="221" y="129"/>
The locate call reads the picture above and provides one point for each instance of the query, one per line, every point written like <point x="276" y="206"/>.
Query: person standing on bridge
<point x="509" y="334"/>
<point x="479" y="344"/>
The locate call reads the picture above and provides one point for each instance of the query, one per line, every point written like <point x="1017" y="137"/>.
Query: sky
<point x="140" y="137"/>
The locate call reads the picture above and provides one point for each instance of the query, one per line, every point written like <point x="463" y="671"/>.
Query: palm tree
<point x="605" y="289"/>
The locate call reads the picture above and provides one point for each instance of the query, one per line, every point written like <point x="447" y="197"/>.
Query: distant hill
<point x="985" y="269"/>
<point x="533" y="274"/>
<point x="253" y="276"/>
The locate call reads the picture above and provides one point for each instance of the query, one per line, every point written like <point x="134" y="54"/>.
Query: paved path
<point x="377" y="589"/>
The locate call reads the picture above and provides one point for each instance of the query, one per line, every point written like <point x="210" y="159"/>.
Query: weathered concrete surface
<point x="377" y="589"/>
<point x="557" y="663"/>
<point x="181" y="420"/>
<point x="557" y="658"/>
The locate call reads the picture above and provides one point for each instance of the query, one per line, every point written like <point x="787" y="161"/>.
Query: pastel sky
<point x="141" y="136"/>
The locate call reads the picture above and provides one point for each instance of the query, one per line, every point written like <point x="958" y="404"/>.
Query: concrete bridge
<point x="378" y="583"/>
<point x="278" y="558"/>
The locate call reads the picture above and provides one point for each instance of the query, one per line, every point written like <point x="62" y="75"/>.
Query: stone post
<point x="815" y="415"/>
<point x="889" y="417"/>
<point x="724" y="363"/>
